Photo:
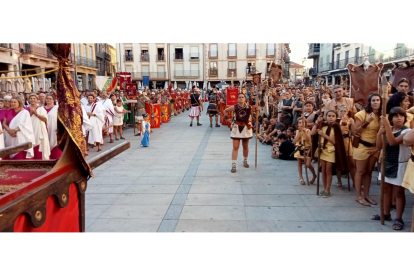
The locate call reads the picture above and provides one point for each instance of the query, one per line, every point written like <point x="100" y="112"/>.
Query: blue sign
<point x="145" y="80"/>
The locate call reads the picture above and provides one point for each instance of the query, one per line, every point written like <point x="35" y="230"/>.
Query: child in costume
<point x="146" y="128"/>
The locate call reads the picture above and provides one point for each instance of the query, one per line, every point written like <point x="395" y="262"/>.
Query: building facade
<point x="196" y="62"/>
<point x="103" y="59"/>
<point x="145" y="59"/>
<point x="332" y="59"/>
<point x="296" y="72"/>
<point x="86" y="65"/>
<point x="114" y="63"/>
<point x="186" y="63"/>
<point x="22" y="59"/>
<point x="237" y="61"/>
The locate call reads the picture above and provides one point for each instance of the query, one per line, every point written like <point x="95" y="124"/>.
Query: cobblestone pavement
<point x="182" y="182"/>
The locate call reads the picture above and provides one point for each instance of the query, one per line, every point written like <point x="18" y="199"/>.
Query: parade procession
<point x="346" y="141"/>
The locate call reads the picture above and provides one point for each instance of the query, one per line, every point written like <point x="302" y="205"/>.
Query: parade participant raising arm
<point x="241" y="129"/>
<point x="365" y="153"/>
<point x="52" y="112"/>
<point x="38" y="115"/>
<point x="396" y="158"/>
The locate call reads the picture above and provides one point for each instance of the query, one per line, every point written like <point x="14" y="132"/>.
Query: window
<point x="232" y="50"/>
<point x="213" y="65"/>
<point x="78" y="49"/>
<point x="357" y="55"/>
<point x="251" y="49"/>
<point x="338" y="57"/>
<point x="128" y="54"/>
<point x="346" y="57"/>
<point x="84" y="50"/>
<point x="144" y="55"/>
<point x="194" y="70"/>
<point x="178" y="70"/>
<point x="90" y="52"/>
<point x="213" y="50"/>
<point x="161" y="73"/>
<point x="232" y="65"/>
<point x="128" y="69"/>
<point x="178" y="53"/>
<point x="193" y="52"/>
<point x="321" y="63"/>
<point x="328" y="58"/>
<point x="145" y="70"/>
<point x="270" y="49"/>
<point x="160" y="54"/>
<point x="268" y="67"/>
<point x="249" y="68"/>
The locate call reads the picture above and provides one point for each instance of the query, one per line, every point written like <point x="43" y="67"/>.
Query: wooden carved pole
<point x="384" y="94"/>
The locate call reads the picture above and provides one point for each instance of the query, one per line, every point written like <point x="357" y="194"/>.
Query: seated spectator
<point x="275" y="149"/>
<point x="290" y="133"/>
<point x="286" y="148"/>
<point x="263" y="129"/>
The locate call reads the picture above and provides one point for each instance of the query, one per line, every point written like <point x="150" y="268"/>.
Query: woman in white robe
<point x="18" y="129"/>
<point x="86" y="126"/>
<point x="96" y="113"/>
<point x="38" y="116"/>
<point x="52" y="111"/>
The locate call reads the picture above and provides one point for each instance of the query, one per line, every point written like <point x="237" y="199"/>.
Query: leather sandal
<point x="363" y="202"/>
<point x="217" y="125"/>
<point x="371" y="201"/>
<point x="198" y="124"/>
<point x="245" y="164"/>
<point x="233" y="168"/>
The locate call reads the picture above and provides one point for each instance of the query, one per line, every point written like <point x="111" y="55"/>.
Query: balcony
<point x="231" y="53"/>
<point x="5" y="46"/>
<point x="178" y="57"/>
<point x="152" y="75"/>
<point x="160" y="57"/>
<point x="107" y="56"/>
<point x="145" y="57"/>
<point x="213" y="72"/>
<point x="36" y="49"/>
<point x="129" y="58"/>
<point x="285" y="73"/>
<point x="251" y="52"/>
<point x="286" y="57"/>
<point x="194" y="56"/>
<point x="230" y="71"/>
<point x="212" y="54"/>
<point x="186" y="74"/>
<point x="336" y="45"/>
<point x="313" y="71"/>
<point x="100" y="55"/>
<point x="325" y="67"/>
<point x="314" y="50"/>
<point x="87" y="62"/>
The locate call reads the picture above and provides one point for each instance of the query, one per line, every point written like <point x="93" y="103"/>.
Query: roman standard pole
<point x="384" y="92"/>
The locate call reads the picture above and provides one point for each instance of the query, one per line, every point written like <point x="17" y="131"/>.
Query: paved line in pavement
<point x="170" y="220"/>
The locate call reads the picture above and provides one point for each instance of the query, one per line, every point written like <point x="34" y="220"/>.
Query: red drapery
<point x="57" y="219"/>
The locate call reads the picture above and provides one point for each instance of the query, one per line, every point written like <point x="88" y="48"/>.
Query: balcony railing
<point x="145" y="57"/>
<point x="212" y="54"/>
<point x="100" y="55"/>
<point x="313" y="71"/>
<point x="37" y="49"/>
<point x="160" y="57"/>
<point x="194" y="56"/>
<point x="314" y="50"/>
<point x="83" y="61"/>
<point x="231" y="53"/>
<point x="335" y="45"/>
<point x="270" y="52"/>
<point x="213" y="72"/>
<point x="129" y="58"/>
<point x="325" y="67"/>
<point x="178" y="56"/>
<point x="101" y="73"/>
<point x="186" y="74"/>
<point x="229" y="71"/>
<point x="5" y="45"/>
<point x="107" y="56"/>
<point x="251" y="52"/>
<point x="152" y="75"/>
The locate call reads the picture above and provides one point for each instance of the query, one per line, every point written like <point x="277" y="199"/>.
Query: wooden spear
<point x="384" y="94"/>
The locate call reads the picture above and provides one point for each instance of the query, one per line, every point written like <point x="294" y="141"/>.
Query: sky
<point x="298" y="52"/>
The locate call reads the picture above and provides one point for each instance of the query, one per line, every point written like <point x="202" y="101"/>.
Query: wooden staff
<point x="319" y="143"/>
<point x="384" y="94"/>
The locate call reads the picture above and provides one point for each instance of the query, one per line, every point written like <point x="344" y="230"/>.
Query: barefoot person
<point x="303" y="139"/>
<point x="366" y="154"/>
<point x="241" y="129"/>
<point x="333" y="150"/>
